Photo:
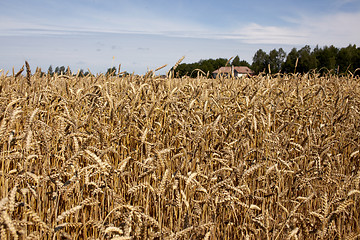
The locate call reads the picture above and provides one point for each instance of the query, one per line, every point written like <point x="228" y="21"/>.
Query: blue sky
<point x="142" y="35"/>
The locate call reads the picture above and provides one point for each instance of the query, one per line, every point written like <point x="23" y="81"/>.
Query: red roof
<point x="240" y="69"/>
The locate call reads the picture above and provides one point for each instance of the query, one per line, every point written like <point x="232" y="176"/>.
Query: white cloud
<point x="127" y="17"/>
<point x="258" y="34"/>
<point x="338" y="29"/>
<point x="333" y="29"/>
<point x="94" y="21"/>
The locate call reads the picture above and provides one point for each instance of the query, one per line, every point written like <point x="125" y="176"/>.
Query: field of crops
<point x="143" y="157"/>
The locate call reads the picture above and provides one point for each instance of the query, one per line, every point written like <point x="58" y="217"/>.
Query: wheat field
<point x="143" y="157"/>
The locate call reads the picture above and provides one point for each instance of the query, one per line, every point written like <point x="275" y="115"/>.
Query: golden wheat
<point x="142" y="157"/>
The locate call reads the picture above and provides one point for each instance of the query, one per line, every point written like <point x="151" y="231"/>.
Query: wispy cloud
<point x="258" y="34"/>
<point x="337" y="29"/>
<point x="86" y="18"/>
<point x="334" y="28"/>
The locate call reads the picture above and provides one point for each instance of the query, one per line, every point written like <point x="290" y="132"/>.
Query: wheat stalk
<point x="19" y="72"/>
<point x="10" y="224"/>
<point x="28" y="73"/>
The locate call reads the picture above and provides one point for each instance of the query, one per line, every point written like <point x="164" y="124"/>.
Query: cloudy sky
<point x="144" y="34"/>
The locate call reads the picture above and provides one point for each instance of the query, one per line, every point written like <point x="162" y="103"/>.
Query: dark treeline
<point x="66" y="71"/>
<point x="207" y="66"/>
<point x="323" y="59"/>
<point x="303" y="60"/>
<point x="62" y="70"/>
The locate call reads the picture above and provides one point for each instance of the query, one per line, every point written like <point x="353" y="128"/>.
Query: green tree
<point x="276" y="59"/>
<point x="357" y="62"/>
<point x="291" y="59"/>
<point x="62" y="70"/>
<point x="207" y="66"/>
<point x="348" y="59"/>
<point x="111" y="71"/>
<point x="325" y="58"/>
<point x="244" y="63"/>
<point x="307" y="61"/>
<point x="236" y="61"/>
<point x="50" y="70"/>
<point x="260" y="61"/>
<point x="300" y="61"/>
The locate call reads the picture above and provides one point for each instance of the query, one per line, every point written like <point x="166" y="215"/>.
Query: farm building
<point x="233" y="71"/>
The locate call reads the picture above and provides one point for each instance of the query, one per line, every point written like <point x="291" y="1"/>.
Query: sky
<point x="142" y="35"/>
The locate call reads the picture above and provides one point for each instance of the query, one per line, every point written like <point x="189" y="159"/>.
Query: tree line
<point x="60" y="70"/>
<point x="305" y="59"/>
<point x="323" y="59"/>
<point x="207" y="66"/>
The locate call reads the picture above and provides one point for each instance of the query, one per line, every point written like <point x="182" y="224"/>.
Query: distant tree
<point x="307" y="61"/>
<point x="291" y="59"/>
<point x="260" y="61"/>
<point x="276" y="59"/>
<point x="348" y="59"/>
<point x="357" y="62"/>
<point x="236" y="61"/>
<point x="111" y="71"/>
<point x="244" y="63"/>
<point x="207" y="66"/>
<point x="62" y="70"/>
<point x="303" y="60"/>
<point x="325" y="58"/>
<point x="183" y="69"/>
<point x="50" y="70"/>
<point x="300" y="61"/>
<point x="219" y="62"/>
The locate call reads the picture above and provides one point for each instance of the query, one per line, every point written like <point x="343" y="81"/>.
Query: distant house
<point x="237" y="72"/>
